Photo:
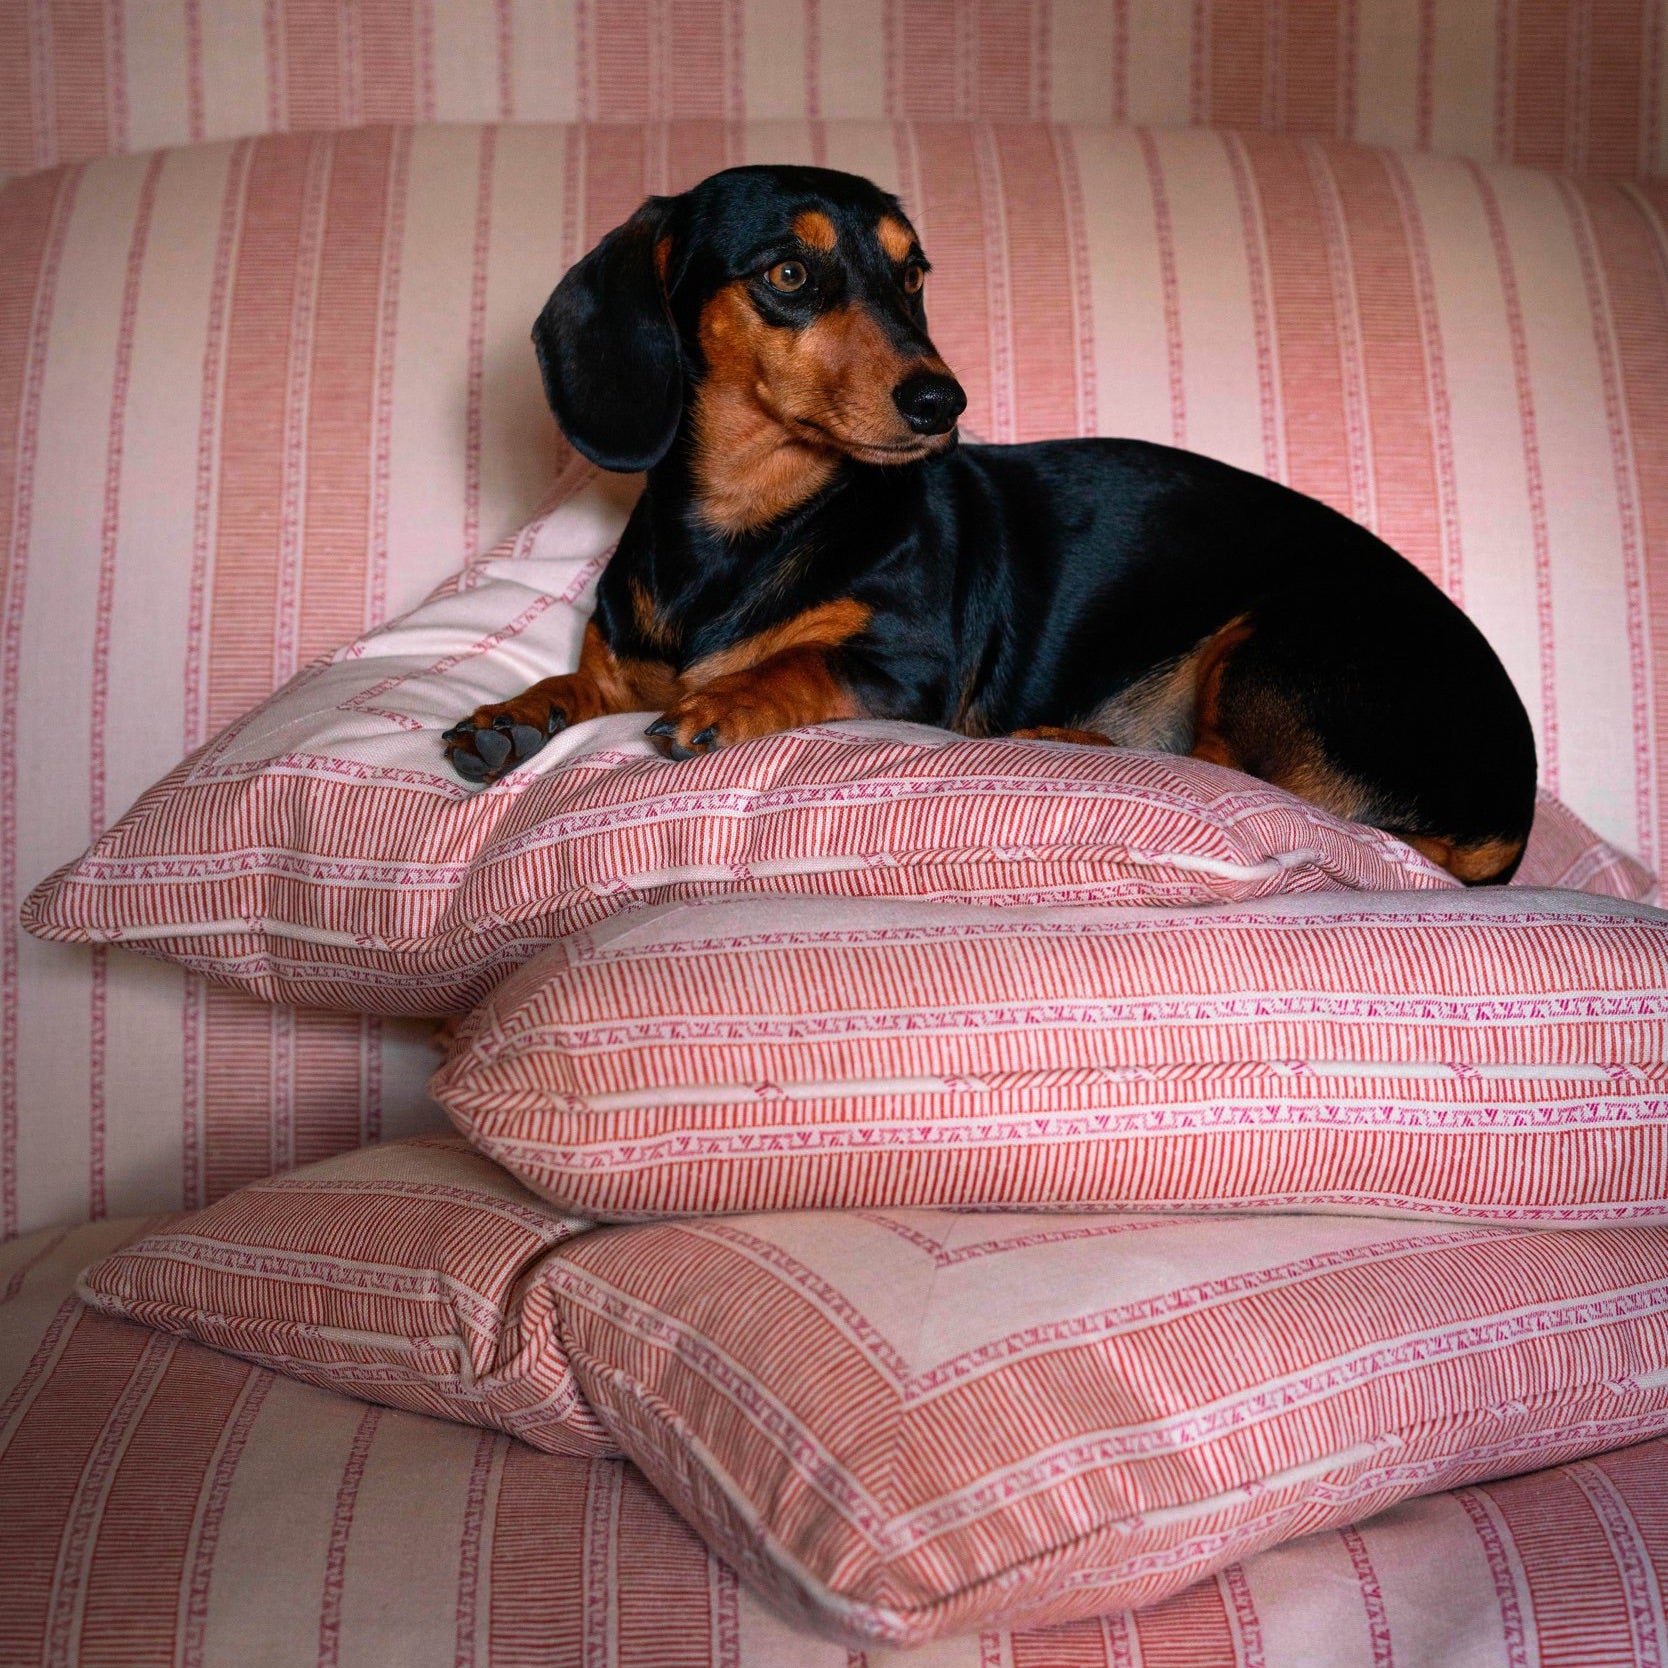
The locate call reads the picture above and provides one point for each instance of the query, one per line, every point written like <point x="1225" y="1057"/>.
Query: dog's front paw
<point x="712" y="718"/>
<point x="494" y="739"/>
<point x="490" y="742"/>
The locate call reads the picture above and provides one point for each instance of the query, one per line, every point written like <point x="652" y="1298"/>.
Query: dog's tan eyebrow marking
<point x="895" y="237"/>
<point x="813" y="227"/>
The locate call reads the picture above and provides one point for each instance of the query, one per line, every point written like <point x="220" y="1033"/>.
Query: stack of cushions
<point x="774" y="982"/>
<point x="898" y="1423"/>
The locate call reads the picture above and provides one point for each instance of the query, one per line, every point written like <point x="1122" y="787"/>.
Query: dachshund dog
<point x="812" y="544"/>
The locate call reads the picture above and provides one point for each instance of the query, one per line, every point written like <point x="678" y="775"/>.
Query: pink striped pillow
<point x="905" y="1423"/>
<point x="1493" y="1055"/>
<point x="321" y="851"/>
<point x="389" y="1273"/>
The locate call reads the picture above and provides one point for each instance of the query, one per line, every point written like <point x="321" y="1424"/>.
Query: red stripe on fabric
<point x="538" y="1521"/>
<point x="927" y="72"/>
<point x="382" y="444"/>
<point x="194" y="1026"/>
<point x="1573" y="89"/>
<point x="665" y="61"/>
<point x="1394" y="338"/>
<point x="1635" y="1567"/>
<point x="1305" y="322"/>
<point x="343" y="441"/>
<point x="1120" y="62"/>
<point x="1240" y="80"/>
<point x="960" y="247"/>
<point x="100" y="678"/>
<point x="1070" y="1645"/>
<point x="34" y="222"/>
<point x="45" y="1461"/>
<point x="19" y="92"/>
<point x="812" y="24"/>
<point x="668" y="1611"/>
<point x="504" y="20"/>
<point x="1165" y="234"/>
<point x="1451" y="575"/>
<point x="1372" y="1598"/>
<point x="15" y="1281"/>
<point x="1065" y="153"/>
<point x="395" y="68"/>
<point x="1191" y="1631"/>
<point x="194" y="124"/>
<point x="198" y="1580"/>
<point x="81" y="38"/>
<point x="1262" y="310"/>
<point x="130" y="1604"/>
<point x="1631" y="240"/>
<point x="1042" y="329"/>
<point x="314" y="58"/>
<point x="474" y="381"/>
<point x="1611" y="207"/>
<point x="476" y="1512"/>
<point x="1541" y="537"/>
<point x="341" y="1529"/>
<point x="1573" y="1587"/>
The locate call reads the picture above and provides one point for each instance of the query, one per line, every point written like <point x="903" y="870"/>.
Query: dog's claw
<point x="662" y="727"/>
<point x="706" y="738"/>
<point x="555" y="723"/>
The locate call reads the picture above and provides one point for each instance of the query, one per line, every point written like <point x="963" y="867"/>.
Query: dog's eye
<point x="787" y="275"/>
<point x="915" y="275"/>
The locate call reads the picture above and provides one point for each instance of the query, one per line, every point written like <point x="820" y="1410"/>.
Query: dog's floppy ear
<point x="609" y="350"/>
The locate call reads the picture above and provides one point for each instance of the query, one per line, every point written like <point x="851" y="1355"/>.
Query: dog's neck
<point x="747" y="469"/>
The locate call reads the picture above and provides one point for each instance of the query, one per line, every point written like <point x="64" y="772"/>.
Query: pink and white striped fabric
<point x="902" y="1424"/>
<point x="1557" y="83"/>
<point x="167" y="1503"/>
<point x="257" y="397"/>
<point x="391" y="1273"/>
<point x="898" y="1424"/>
<point x="1494" y="1056"/>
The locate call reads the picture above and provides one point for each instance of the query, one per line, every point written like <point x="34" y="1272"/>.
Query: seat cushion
<point x="900" y="1424"/>
<point x="165" y="1502"/>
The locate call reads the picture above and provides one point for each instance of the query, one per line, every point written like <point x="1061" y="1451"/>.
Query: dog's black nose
<point x="930" y="403"/>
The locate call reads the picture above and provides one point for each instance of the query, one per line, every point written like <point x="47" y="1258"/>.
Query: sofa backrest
<point x="1553" y="83"/>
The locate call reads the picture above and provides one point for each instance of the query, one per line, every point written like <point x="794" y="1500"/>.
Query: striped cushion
<point x="903" y="1423"/>
<point x="167" y="1503"/>
<point x="1493" y="1055"/>
<point x="389" y="1274"/>
<point x="255" y="398"/>
<point x="322" y="850"/>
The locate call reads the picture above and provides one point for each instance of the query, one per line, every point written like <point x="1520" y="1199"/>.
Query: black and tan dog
<point x="812" y="545"/>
